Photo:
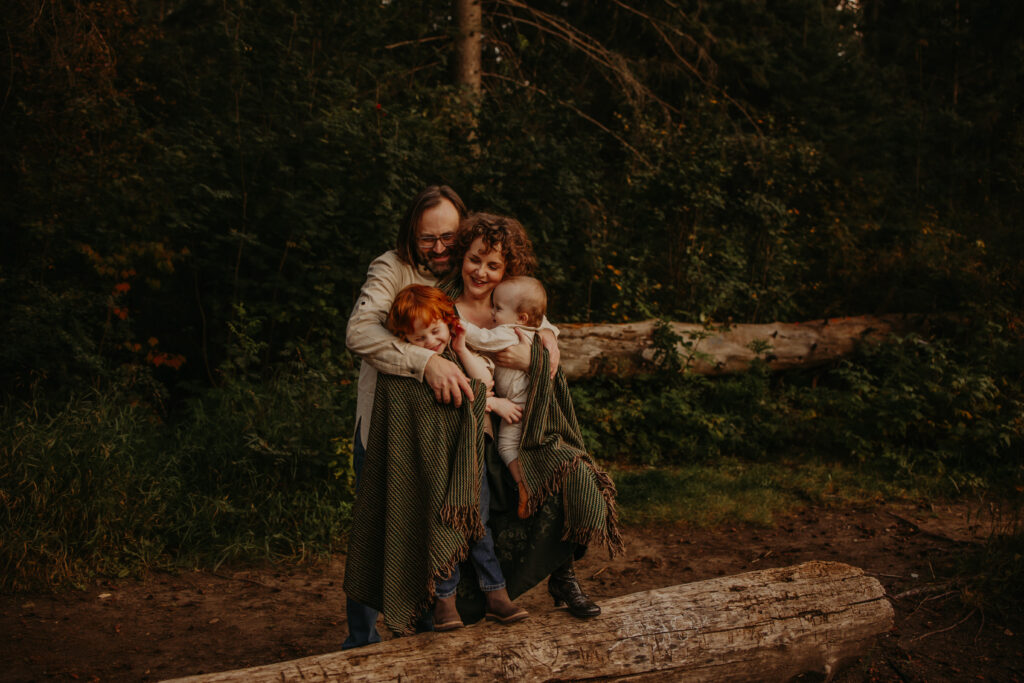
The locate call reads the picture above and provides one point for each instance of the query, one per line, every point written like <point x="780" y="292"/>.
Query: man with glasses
<point x="421" y="256"/>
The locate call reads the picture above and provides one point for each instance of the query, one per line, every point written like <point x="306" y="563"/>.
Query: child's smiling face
<point x="433" y="336"/>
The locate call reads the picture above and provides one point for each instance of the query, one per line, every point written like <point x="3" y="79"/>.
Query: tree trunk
<point x="469" y="66"/>
<point x="469" y="17"/>
<point x="589" y="350"/>
<point x="768" y="625"/>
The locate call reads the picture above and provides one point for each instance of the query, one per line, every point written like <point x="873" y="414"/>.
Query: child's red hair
<point x="419" y="303"/>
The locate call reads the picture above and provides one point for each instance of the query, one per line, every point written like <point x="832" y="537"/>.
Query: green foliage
<point x="938" y="407"/>
<point x="742" y="161"/>
<point x="731" y="491"/>
<point x="266" y="463"/>
<point x="919" y="404"/>
<point x="82" y="491"/>
<point x="253" y="469"/>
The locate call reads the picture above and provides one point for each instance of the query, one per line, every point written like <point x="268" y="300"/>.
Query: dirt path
<point x="176" y="625"/>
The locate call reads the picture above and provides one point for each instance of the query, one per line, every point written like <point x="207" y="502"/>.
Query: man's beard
<point x="439" y="270"/>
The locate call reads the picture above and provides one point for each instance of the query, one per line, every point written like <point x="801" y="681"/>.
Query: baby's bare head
<point x="525" y="296"/>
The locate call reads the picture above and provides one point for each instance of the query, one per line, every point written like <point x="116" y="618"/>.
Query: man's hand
<point x="447" y="381"/>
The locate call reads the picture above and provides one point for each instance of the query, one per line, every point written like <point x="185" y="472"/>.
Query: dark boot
<point x="564" y="588"/>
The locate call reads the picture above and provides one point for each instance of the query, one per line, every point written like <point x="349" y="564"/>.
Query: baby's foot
<point x="524" y="501"/>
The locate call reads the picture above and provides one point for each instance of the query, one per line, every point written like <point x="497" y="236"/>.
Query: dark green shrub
<point x="102" y="484"/>
<point x="950" y="407"/>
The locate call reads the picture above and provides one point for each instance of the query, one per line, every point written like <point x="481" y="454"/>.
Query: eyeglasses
<point x="428" y="241"/>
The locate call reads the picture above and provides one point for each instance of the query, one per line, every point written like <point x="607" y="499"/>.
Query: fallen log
<point x="589" y="350"/>
<point x="768" y="625"/>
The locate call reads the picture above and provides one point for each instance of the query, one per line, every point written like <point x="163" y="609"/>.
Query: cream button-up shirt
<point x="368" y="338"/>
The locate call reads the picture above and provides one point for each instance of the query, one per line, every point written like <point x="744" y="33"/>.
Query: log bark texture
<point x="626" y="349"/>
<point x="768" y="625"/>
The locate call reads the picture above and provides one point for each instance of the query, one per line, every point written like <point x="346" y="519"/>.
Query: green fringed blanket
<point x="417" y="507"/>
<point x="572" y="500"/>
<point x="554" y="459"/>
<point x="416" y="510"/>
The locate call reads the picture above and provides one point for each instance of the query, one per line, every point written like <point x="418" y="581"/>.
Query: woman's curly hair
<point x="503" y="233"/>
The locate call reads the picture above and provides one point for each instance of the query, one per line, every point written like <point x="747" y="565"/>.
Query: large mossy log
<point x="625" y="349"/>
<point x="768" y="625"/>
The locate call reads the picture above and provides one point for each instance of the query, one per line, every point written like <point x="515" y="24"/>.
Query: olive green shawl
<point x="417" y="507"/>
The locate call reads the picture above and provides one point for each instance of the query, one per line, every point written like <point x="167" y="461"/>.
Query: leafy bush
<point x="945" y="406"/>
<point x="82" y="492"/>
<point x="182" y="245"/>
<point x="102" y="484"/>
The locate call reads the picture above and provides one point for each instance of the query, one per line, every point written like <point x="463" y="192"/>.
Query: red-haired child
<point x="426" y="317"/>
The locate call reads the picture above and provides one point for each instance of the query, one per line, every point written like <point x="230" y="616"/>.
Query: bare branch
<point x="615" y="63"/>
<point x="943" y="630"/>
<point x="418" y="41"/>
<point x="579" y="112"/>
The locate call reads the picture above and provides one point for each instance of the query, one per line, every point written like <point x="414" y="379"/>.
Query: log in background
<point x="626" y="349"/>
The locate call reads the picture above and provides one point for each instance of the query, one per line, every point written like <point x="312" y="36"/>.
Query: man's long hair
<point x="427" y="199"/>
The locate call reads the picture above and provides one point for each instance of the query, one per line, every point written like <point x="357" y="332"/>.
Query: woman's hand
<point x="505" y="409"/>
<point x="515" y="357"/>
<point x="550" y="342"/>
<point x="518" y="357"/>
<point x="447" y="381"/>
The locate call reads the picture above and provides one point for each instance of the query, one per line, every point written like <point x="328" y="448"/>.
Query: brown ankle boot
<point x="501" y="609"/>
<point x="446" y="616"/>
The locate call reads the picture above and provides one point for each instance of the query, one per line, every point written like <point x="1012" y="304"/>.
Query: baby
<point x="425" y="316"/>
<point x="516" y="303"/>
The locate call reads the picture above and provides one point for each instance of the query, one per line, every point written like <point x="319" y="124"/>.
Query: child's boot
<point x="501" y="609"/>
<point x="446" y="616"/>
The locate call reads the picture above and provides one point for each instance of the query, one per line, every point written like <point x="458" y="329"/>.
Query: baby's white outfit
<point x="508" y="383"/>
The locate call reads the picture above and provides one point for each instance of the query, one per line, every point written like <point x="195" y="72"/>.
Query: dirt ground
<point x="176" y="625"/>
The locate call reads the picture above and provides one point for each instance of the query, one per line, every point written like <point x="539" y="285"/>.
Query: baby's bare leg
<point x="523" y="509"/>
<point x="516" y="470"/>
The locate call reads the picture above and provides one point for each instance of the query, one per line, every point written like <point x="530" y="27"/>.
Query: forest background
<point x="192" y="191"/>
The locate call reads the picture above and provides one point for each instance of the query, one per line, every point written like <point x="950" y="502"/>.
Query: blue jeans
<point x="488" y="570"/>
<point x="362" y="620"/>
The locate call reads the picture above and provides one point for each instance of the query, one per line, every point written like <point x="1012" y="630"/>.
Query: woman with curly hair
<point x="488" y="249"/>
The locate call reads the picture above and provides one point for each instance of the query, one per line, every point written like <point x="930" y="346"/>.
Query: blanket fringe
<point x="465" y="519"/>
<point x="610" y="536"/>
<point x="613" y="539"/>
<point x="552" y="486"/>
